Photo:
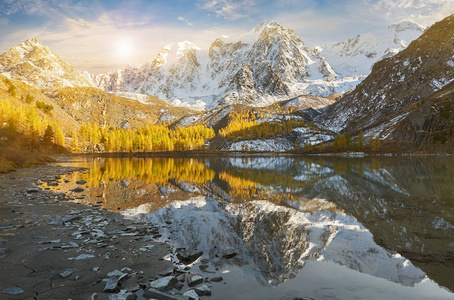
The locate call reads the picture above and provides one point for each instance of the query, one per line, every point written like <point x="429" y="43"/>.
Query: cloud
<point x="227" y="9"/>
<point x="32" y="7"/>
<point x="184" y="20"/>
<point x="423" y="12"/>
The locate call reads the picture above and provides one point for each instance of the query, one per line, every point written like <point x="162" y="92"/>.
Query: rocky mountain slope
<point x="37" y="65"/>
<point x="396" y="83"/>
<point x="267" y="64"/>
<point x="428" y="124"/>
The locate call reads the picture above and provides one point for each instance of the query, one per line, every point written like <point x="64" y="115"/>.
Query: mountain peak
<point x="37" y="65"/>
<point x="33" y="41"/>
<point x="406" y="26"/>
<point x="267" y="24"/>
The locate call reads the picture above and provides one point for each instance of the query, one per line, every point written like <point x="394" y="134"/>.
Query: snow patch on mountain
<point x="270" y="63"/>
<point x="356" y="56"/>
<point x="272" y="145"/>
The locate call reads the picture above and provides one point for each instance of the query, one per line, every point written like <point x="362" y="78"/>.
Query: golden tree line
<point x="147" y="138"/>
<point x="246" y="125"/>
<point x="23" y="125"/>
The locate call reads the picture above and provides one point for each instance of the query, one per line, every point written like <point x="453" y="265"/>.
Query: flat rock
<point x="33" y="190"/>
<point x="123" y="295"/>
<point x="191" y="295"/>
<point x="217" y="279"/>
<point x="112" y="284"/>
<point x="7" y="226"/>
<point x="66" y="273"/>
<point x="189" y="256"/>
<point x="164" y="284"/>
<point x="203" y="290"/>
<point x="229" y="255"/>
<point x="156" y="294"/>
<point x="194" y="279"/>
<point x="82" y="256"/>
<point x="13" y="291"/>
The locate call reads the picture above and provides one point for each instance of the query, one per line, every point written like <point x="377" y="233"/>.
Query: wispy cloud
<point x="182" y="19"/>
<point x="227" y="9"/>
<point x="424" y="12"/>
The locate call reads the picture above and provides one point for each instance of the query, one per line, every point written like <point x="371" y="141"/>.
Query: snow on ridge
<point x="184" y="73"/>
<point x="267" y="145"/>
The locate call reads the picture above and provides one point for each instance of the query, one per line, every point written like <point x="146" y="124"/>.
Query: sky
<point x="103" y="35"/>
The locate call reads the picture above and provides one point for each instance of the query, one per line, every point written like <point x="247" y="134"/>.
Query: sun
<point x="123" y="48"/>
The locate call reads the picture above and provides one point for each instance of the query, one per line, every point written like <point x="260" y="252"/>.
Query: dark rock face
<point x="396" y="83"/>
<point x="429" y="124"/>
<point x="189" y="256"/>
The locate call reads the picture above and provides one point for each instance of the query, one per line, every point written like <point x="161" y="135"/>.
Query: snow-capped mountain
<point x="396" y="83"/>
<point x="356" y="55"/>
<point x="37" y="65"/>
<point x="267" y="64"/>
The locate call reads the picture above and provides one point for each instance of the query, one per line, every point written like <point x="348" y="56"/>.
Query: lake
<point x="286" y="227"/>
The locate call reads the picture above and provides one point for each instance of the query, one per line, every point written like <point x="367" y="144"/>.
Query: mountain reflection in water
<point x="391" y="218"/>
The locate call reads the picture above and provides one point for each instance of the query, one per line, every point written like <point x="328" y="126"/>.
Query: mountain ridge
<point x="267" y="64"/>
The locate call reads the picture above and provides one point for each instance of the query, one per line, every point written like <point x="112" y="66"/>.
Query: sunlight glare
<point x="123" y="48"/>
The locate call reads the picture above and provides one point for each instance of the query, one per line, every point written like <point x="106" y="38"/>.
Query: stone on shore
<point x="217" y="279"/>
<point x="189" y="256"/>
<point x="66" y="273"/>
<point x="123" y="295"/>
<point x="156" y="294"/>
<point x="195" y="279"/>
<point x="191" y="295"/>
<point x="203" y="290"/>
<point x="113" y="282"/>
<point x="13" y="291"/>
<point x="164" y="284"/>
<point x="3" y="252"/>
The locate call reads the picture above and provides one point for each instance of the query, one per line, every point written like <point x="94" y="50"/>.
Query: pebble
<point x="3" y="252"/>
<point x="66" y="273"/>
<point x="217" y="279"/>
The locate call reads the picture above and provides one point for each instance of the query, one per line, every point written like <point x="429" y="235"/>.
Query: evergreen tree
<point x="348" y="139"/>
<point x="74" y="141"/>
<point x="360" y="141"/>
<point x="59" y="136"/>
<point x="49" y="135"/>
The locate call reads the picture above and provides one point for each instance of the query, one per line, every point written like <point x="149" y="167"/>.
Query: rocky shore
<point x="51" y="248"/>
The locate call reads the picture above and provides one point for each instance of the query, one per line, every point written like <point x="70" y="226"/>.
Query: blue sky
<point x="101" y="35"/>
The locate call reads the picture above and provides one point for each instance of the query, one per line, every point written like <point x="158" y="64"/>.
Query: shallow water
<point x="326" y="228"/>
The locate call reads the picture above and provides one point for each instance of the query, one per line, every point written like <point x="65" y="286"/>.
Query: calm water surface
<point x="326" y="228"/>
